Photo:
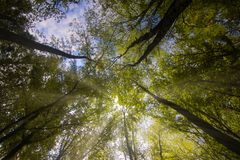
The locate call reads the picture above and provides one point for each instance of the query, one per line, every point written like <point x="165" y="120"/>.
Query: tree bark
<point x="226" y="140"/>
<point x="31" y="44"/>
<point x="16" y="149"/>
<point x="27" y="140"/>
<point x="160" y="147"/>
<point x="134" y="149"/>
<point x="126" y="137"/>
<point x="16" y="130"/>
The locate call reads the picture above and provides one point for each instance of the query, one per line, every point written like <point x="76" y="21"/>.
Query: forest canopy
<point x="131" y="79"/>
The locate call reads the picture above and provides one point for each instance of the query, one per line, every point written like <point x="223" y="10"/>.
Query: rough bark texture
<point x="31" y="44"/>
<point x="229" y="142"/>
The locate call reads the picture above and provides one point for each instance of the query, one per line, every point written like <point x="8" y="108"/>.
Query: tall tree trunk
<point x="226" y="140"/>
<point x="126" y="137"/>
<point x="160" y="147"/>
<point x="134" y="149"/>
<point x="125" y="156"/>
<point x="18" y="147"/>
<point x="16" y="130"/>
<point x="30" y="117"/>
<point x="27" y="140"/>
<point x="31" y="44"/>
<point x="176" y="8"/>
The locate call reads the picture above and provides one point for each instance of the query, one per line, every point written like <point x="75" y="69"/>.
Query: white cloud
<point x="60" y="29"/>
<point x="44" y="30"/>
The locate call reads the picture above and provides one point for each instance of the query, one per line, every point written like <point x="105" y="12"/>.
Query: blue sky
<point x="61" y="28"/>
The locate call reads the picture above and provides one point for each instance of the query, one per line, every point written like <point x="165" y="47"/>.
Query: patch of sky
<point x="200" y="140"/>
<point x="149" y="107"/>
<point x="154" y="20"/>
<point x="178" y="117"/>
<point x="168" y="45"/>
<point x="143" y="126"/>
<point x="61" y="29"/>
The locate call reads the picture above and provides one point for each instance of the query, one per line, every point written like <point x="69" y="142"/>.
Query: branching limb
<point x="31" y="44"/>
<point x="176" y="8"/>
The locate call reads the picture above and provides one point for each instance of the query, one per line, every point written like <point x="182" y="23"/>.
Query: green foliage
<point x="97" y="111"/>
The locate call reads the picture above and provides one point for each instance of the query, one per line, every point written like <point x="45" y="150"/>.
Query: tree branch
<point x="176" y="8"/>
<point x="31" y="44"/>
<point x="222" y="138"/>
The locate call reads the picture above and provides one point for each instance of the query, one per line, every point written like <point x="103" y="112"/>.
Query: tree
<point x="224" y="139"/>
<point x="9" y="36"/>
<point x="185" y="51"/>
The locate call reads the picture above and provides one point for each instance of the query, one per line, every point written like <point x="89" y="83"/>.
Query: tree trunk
<point x="160" y="147"/>
<point x="25" y="141"/>
<point x="16" y="130"/>
<point x="134" y="149"/>
<point x="16" y="149"/>
<point x="31" y="44"/>
<point x="229" y="142"/>
<point x="30" y="117"/>
<point x="176" y="8"/>
<point x="126" y="137"/>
